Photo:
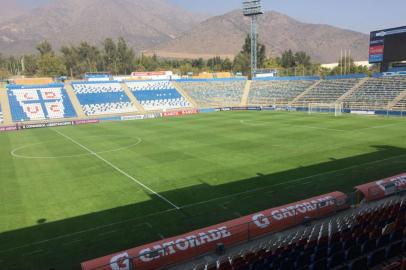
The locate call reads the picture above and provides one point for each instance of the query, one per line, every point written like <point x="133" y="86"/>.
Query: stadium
<point x="223" y="170"/>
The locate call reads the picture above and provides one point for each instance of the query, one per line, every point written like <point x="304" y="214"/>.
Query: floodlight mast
<point x="252" y="9"/>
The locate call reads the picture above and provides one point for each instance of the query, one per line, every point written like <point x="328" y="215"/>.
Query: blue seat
<point x="319" y="254"/>
<point x="336" y="259"/>
<point x="352" y="253"/>
<point x="394" y="250"/>
<point x="382" y="241"/>
<point x="376" y="257"/>
<point x="368" y="246"/>
<point x="335" y="248"/>
<point x="319" y="265"/>
<point x="359" y="263"/>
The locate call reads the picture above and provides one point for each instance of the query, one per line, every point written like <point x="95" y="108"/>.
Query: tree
<point x="4" y="74"/>
<point x="198" y="63"/>
<point x="261" y="51"/>
<point x="44" y="48"/>
<point x="125" y="57"/>
<point x="30" y="65"/>
<point x="51" y="65"/>
<point x="90" y="57"/>
<point x="288" y="59"/>
<point x="227" y="65"/>
<point x="110" y="56"/>
<point x="242" y="63"/>
<point x="301" y="58"/>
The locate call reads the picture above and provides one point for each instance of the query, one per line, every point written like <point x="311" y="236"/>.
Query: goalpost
<point x="336" y="108"/>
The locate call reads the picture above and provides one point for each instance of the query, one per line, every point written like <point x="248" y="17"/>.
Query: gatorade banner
<point x="383" y="188"/>
<point x="196" y="243"/>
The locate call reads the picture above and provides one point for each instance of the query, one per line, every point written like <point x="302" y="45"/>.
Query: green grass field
<point x="70" y="194"/>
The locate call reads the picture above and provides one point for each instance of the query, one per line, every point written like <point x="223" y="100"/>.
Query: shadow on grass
<point x="64" y="244"/>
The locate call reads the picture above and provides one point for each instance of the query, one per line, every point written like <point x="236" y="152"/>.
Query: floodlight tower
<point x="252" y="9"/>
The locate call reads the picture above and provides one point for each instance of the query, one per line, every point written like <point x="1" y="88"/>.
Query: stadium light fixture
<point x="252" y="9"/>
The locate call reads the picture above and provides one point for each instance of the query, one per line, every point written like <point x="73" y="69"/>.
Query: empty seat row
<point x="377" y="93"/>
<point x="211" y="94"/>
<point x="362" y="239"/>
<point x="158" y="95"/>
<point x="266" y="93"/>
<point x="101" y="98"/>
<point x="328" y="91"/>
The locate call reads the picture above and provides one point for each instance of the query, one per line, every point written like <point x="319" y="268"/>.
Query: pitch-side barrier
<point x="197" y="243"/>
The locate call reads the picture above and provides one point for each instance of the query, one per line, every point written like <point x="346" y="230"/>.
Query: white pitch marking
<point x="376" y="127"/>
<point x="117" y="169"/>
<point x="86" y="231"/>
<point x="107" y="233"/>
<point x="161" y="236"/>
<point x="189" y="205"/>
<point x="137" y="226"/>
<point x="14" y="151"/>
<point x="33" y="252"/>
<point x="290" y="182"/>
<point x="72" y="242"/>
<point x="292" y="125"/>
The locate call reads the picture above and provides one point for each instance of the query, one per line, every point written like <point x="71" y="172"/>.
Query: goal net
<point x="332" y="108"/>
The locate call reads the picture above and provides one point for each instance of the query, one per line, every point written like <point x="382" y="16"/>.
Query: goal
<point x="336" y="108"/>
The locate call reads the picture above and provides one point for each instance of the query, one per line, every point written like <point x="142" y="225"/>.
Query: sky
<point x="359" y="15"/>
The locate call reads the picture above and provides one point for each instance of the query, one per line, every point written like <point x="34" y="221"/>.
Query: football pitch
<point x="70" y="194"/>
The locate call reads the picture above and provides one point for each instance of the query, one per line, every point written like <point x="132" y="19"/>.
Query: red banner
<point x="376" y="50"/>
<point x="84" y="122"/>
<point x="9" y="128"/>
<point x="184" y="247"/>
<point x="179" y="113"/>
<point x="383" y="188"/>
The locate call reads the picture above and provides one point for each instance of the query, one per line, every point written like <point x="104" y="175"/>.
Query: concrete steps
<point x="397" y="99"/>
<point x="185" y="95"/>
<point x="246" y="94"/>
<point x="352" y="90"/>
<point x="5" y="107"/>
<point x="132" y="98"/>
<point x="296" y="99"/>
<point x="75" y="101"/>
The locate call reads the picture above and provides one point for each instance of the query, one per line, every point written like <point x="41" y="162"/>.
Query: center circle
<point x="15" y="152"/>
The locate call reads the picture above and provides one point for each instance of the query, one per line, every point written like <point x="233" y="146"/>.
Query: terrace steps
<point x="352" y="90"/>
<point x="185" y="95"/>
<point x="397" y="99"/>
<point x="246" y="93"/>
<point x="75" y="101"/>
<point x="296" y="99"/>
<point x="5" y="107"/>
<point x="132" y="98"/>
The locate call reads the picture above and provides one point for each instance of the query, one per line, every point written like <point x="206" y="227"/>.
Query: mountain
<point x="143" y="23"/>
<point x="10" y="9"/>
<point x="224" y="36"/>
<point x="155" y="26"/>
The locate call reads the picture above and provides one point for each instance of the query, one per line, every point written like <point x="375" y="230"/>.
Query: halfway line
<point x="117" y="168"/>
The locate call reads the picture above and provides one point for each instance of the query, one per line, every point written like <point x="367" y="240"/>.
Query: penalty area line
<point x="117" y="168"/>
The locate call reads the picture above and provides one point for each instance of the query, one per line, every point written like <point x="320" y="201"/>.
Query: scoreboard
<point x="388" y="45"/>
